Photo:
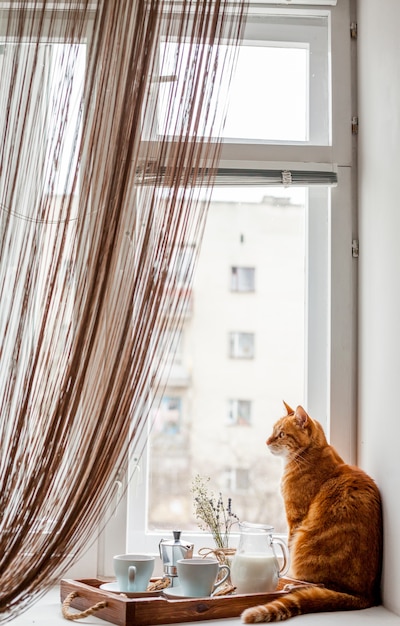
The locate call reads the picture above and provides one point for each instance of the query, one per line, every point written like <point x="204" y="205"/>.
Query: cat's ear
<point x="287" y="407"/>
<point x="301" y="417"/>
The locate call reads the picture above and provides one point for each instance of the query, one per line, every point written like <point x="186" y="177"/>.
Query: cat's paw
<point x="256" y="614"/>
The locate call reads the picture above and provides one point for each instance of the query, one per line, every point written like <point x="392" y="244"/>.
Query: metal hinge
<point x="354" y="125"/>
<point x="355" y="249"/>
<point x="353" y="30"/>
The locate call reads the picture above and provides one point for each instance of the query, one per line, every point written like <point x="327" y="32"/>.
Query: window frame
<point x="319" y="130"/>
<point x="331" y="326"/>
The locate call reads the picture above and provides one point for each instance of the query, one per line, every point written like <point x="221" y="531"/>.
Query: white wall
<point x="379" y="279"/>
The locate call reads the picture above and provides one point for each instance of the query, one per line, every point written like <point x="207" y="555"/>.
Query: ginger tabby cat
<point x="334" y="519"/>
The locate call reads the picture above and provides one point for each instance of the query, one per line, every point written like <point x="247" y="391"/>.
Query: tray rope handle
<point x="66" y="605"/>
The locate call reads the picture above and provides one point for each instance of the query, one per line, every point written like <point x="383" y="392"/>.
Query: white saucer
<point x="177" y="592"/>
<point x="139" y="594"/>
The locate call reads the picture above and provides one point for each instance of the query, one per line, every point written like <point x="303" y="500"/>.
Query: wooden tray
<point x="151" y="611"/>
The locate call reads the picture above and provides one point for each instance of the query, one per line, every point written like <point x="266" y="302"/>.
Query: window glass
<point x="241" y="345"/>
<point x="243" y="386"/>
<point x="280" y="91"/>
<point x="236" y="480"/>
<point x="239" y="413"/>
<point x="62" y="65"/>
<point x="242" y="278"/>
<point x="269" y="94"/>
<point x="181" y="264"/>
<point x="72" y="65"/>
<point x="171" y="346"/>
<point x="167" y="419"/>
<point x="56" y="123"/>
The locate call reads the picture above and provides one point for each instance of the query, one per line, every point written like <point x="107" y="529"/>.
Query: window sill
<point x="47" y="612"/>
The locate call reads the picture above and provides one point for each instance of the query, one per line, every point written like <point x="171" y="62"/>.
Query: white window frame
<point x="319" y="131"/>
<point x="242" y="279"/>
<point x="331" y="321"/>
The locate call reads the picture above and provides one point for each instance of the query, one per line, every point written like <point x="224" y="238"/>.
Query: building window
<point x="168" y="416"/>
<point x="170" y="347"/>
<point x="239" y="412"/>
<point x="236" y="479"/>
<point x="243" y="278"/>
<point x="241" y="345"/>
<point x="182" y="264"/>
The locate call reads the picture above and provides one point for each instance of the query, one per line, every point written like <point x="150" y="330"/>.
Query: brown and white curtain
<point x="109" y="144"/>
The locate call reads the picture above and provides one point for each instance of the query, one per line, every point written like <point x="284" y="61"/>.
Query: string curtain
<point x="110" y="121"/>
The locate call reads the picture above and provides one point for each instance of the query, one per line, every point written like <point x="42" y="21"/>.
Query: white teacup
<point x="133" y="571"/>
<point x="197" y="577"/>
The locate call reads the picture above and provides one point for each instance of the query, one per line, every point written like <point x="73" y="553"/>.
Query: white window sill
<point x="47" y="612"/>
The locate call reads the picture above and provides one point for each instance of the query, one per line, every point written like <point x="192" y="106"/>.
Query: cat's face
<point x="294" y="432"/>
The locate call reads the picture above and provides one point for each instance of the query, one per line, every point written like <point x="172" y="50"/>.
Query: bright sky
<point x="268" y="96"/>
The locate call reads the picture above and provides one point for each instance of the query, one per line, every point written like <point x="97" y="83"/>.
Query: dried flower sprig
<point x="211" y="513"/>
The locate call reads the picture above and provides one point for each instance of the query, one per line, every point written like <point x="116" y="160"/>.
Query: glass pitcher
<point x="255" y="566"/>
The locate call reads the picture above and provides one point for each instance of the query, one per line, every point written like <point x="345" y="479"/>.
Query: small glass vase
<point x="224" y="556"/>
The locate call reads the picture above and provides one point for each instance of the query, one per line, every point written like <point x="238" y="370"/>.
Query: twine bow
<point x="220" y="554"/>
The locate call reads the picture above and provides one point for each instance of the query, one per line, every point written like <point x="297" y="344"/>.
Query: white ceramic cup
<point x="198" y="577"/>
<point x="133" y="571"/>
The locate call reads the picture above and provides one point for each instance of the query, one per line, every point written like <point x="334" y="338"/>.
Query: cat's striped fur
<point x="334" y="520"/>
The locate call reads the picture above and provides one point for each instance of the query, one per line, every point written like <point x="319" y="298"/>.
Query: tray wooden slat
<point x="157" y="610"/>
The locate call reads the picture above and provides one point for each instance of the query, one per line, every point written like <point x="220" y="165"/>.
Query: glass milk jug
<point x="255" y="566"/>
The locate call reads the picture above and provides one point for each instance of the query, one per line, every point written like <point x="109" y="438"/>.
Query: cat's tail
<point x="307" y="600"/>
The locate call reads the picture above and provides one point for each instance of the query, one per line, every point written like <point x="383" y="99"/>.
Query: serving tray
<point x="150" y="611"/>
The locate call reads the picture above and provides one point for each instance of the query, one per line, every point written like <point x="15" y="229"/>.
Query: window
<point x="239" y="412"/>
<point x="62" y="64"/>
<point x="281" y="79"/>
<point x="243" y="278"/>
<point x="182" y="263"/>
<point x="236" y="479"/>
<point x="241" y="345"/>
<point x="282" y="210"/>
<point x="168" y="416"/>
<point x="263" y="110"/>
<point x="171" y="347"/>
